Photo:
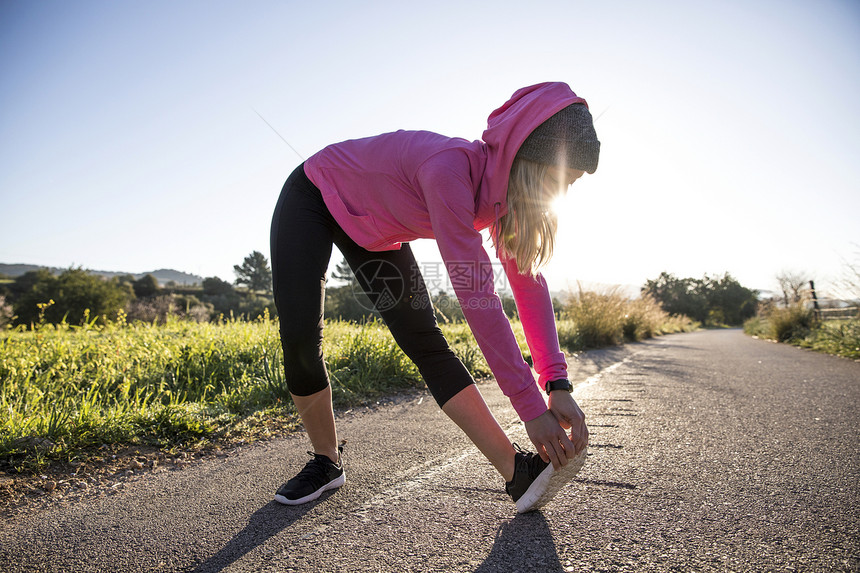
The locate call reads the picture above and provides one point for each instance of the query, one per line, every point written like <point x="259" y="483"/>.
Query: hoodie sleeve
<point x="450" y="203"/>
<point x="534" y="306"/>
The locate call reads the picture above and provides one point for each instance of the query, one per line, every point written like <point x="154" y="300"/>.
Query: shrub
<point x="782" y="324"/>
<point x="157" y="310"/>
<point x="756" y="326"/>
<point x="790" y="323"/>
<point x="151" y="310"/>
<point x="6" y="313"/>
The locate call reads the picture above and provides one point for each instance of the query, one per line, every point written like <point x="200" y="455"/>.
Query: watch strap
<point x="560" y="384"/>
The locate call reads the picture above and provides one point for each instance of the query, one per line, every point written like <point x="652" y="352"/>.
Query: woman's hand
<point x="550" y="439"/>
<point x="570" y="417"/>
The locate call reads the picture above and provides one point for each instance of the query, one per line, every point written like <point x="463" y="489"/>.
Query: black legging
<point x="303" y="232"/>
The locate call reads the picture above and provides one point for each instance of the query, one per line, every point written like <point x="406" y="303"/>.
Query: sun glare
<point x="559" y="204"/>
<point x="558" y="181"/>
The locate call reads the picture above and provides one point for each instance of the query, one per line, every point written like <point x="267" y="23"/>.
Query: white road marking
<point x="428" y="472"/>
<point x="592" y="380"/>
<point x="399" y="489"/>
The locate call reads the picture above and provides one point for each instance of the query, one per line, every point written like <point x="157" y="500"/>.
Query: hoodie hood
<point x="507" y="129"/>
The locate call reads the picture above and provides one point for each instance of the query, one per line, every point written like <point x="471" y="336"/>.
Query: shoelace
<point x="534" y="465"/>
<point x="315" y="468"/>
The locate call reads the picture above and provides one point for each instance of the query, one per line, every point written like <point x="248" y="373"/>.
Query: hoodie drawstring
<point x="498" y="207"/>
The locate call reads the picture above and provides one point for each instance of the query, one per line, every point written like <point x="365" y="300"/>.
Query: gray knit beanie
<point x="567" y="137"/>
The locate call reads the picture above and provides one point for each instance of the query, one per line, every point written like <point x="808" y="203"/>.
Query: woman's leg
<point x="301" y="243"/>
<point x="394" y="284"/>
<point x="470" y="412"/>
<point x="317" y="417"/>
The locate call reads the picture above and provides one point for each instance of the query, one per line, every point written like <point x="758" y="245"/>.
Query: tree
<point x="28" y="291"/>
<point x="76" y="294"/>
<point x="126" y="279"/>
<point x="793" y="285"/>
<point x="214" y="286"/>
<point x="848" y="287"/>
<point x="146" y="286"/>
<point x="720" y="300"/>
<point x="254" y="272"/>
<point x="25" y="283"/>
<point x="728" y="301"/>
<point x="678" y="296"/>
<point x="343" y="273"/>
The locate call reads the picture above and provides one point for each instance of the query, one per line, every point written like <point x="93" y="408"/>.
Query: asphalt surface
<point x="709" y="451"/>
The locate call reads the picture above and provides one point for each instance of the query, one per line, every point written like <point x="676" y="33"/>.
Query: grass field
<point x="69" y="392"/>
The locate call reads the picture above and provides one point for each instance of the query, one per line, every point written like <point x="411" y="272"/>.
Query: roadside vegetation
<point x="71" y="392"/>
<point x="799" y="326"/>
<point x="77" y="296"/>
<point x="799" y="316"/>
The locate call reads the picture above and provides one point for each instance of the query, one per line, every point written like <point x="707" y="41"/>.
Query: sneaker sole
<point x="333" y="484"/>
<point x="549" y="483"/>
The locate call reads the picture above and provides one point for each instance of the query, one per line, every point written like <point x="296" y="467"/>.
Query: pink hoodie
<point x="398" y="187"/>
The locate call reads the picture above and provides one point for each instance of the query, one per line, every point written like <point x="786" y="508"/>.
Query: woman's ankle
<point x="509" y="468"/>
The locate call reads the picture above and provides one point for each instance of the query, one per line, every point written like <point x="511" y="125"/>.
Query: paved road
<point x="710" y="451"/>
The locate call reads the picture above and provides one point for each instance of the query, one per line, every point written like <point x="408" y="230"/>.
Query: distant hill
<point x="162" y="275"/>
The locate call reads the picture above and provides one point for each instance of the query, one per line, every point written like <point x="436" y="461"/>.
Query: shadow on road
<point x="523" y="544"/>
<point x="582" y="365"/>
<point x="266" y="522"/>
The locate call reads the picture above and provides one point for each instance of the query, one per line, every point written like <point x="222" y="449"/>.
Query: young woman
<point x="370" y="197"/>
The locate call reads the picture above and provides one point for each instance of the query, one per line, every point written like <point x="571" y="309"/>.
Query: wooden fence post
<point x="815" y="300"/>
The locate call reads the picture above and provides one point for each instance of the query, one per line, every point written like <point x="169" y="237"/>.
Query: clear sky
<point x="130" y="138"/>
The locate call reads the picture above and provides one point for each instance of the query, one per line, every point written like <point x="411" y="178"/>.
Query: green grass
<point x="78" y="388"/>
<point x="841" y="337"/>
<point x="66" y="392"/>
<point x="365" y="362"/>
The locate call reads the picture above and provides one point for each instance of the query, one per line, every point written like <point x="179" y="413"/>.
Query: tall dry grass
<point x="610" y="317"/>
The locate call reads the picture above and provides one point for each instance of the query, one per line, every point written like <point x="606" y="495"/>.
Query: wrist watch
<point x="561" y="384"/>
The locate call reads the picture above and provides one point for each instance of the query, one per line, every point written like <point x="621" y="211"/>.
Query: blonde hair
<point x="527" y="231"/>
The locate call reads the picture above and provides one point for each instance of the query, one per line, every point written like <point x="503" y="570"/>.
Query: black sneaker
<point x="535" y="482"/>
<point x="319" y="474"/>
